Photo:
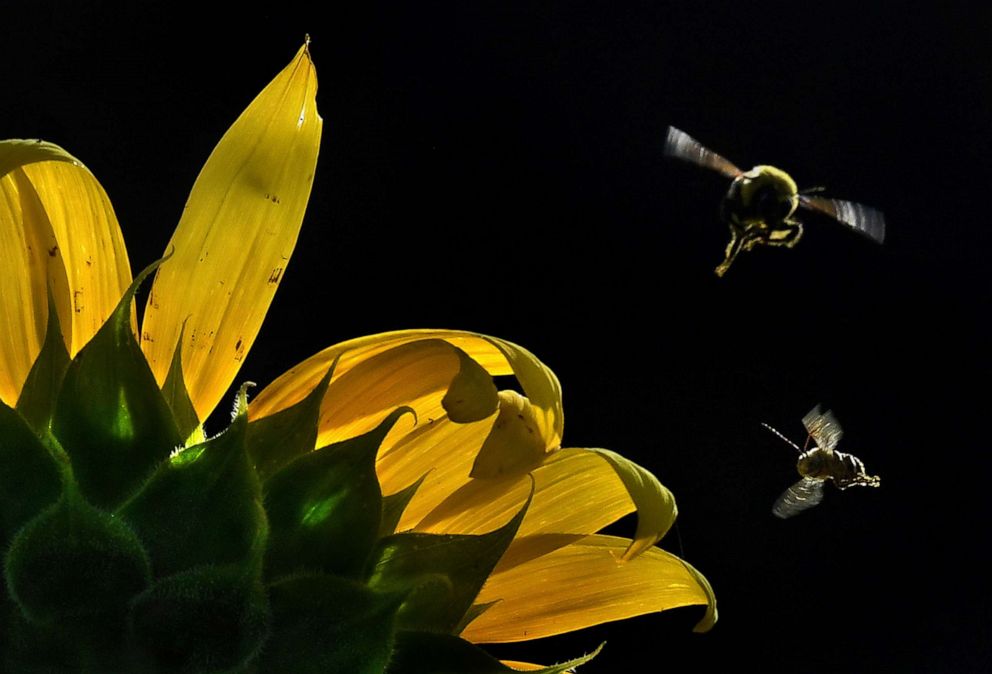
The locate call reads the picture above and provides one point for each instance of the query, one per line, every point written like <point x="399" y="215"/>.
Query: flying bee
<point x="820" y="464"/>
<point x="760" y="203"/>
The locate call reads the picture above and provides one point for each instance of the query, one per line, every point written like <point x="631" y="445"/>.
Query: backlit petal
<point x="577" y="586"/>
<point x="575" y="492"/>
<point x="235" y="237"/>
<point x="656" y="510"/>
<point x="515" y="445"/>
<point x="496" y="356"/>
<point x="438" y="448"/>
<point x="57" y="229"/>
<point x="414" y="374"/>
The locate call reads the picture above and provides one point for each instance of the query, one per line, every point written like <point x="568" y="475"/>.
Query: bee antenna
<point x="782" y="437"/>
<point x="813" y="190"/>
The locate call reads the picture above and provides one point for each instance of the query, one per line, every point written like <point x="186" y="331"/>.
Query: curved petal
<point x="656" y="510"/>
<point x="498" y="357"/>
<point x="57" y="228"/>
<point x="515" y="445"/>
<point x="439" y="450"/>
<point x="580" y="585"/>
<point x="235" y="237"/>
<point x="413" y="374"/>
<point x="575" y="492"/>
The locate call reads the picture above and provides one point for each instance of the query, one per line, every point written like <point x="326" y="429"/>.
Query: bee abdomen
<point x="848" y="471"/>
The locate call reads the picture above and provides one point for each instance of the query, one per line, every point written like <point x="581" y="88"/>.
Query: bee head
<point x="771" y="192"/>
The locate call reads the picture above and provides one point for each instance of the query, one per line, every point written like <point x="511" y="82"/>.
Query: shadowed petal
<point x="575" y="492"/>
<point x="580" y="585"/>
<point x="438" y="448"/>
<point x="57" y="229"/>
<point x="497" y="357"/>
<point x="235" y="237"/>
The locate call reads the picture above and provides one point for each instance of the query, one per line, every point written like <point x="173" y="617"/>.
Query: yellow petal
<point x="497" y="357"/>
<point x="656" y="510"/>
<point x="515" y="445"/>
<point x="235" y="237"/>
<point x="522" y="666"/>
<point x="577" y="586"/>
<point x="57" y="228"/>
<point x="439" y="448"/>
<point x="415" y="374"/>
<point x="575" y="492"/>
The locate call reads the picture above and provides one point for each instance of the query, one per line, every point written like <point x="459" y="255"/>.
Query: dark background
<point x="498" y="167"/>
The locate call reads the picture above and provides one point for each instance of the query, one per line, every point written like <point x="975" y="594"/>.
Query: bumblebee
<point x="760" y="203"/>
<point x="820" y="464"/>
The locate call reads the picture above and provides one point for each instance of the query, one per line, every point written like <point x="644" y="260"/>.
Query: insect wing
<point x="682" y="145"/>
<point x="862" y="219"/>
<point x="824" y="428"/>
<point x="802" y="495"/>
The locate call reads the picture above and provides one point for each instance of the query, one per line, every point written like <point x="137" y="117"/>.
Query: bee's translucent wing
<point x="802" y="495"/>
<point x="682" y="145"/>
<point x="862" y="219"/>
<point x="824" y="428"/>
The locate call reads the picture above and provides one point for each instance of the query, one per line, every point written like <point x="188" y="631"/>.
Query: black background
<point x="498" y="167"/>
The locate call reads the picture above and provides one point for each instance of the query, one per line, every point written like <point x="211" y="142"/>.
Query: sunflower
<point x="379" y="501"/>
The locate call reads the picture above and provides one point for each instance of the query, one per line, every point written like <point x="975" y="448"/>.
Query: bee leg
<point x="733" y="247"/>
<point x="788" y="235"/>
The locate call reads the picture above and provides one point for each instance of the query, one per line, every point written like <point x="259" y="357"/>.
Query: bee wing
<point x="682" y="145"/>
<point x="862" y="219"/>
<point x="802" y="495"/>
<point x="824" y="428"/>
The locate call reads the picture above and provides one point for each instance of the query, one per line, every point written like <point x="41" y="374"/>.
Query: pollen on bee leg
<point x="514" y="445"/>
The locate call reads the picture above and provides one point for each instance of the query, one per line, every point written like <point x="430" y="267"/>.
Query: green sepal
<point x="74" y="561"/>
<point x="202" y="505"/>
<point x="327" y="624"/>
<point x="177" y="395"/>
<point x="27" y="648"/>
<point x="473" y="612"/>
<point x="30" y="478"/>
<point x="431" y="653"/>
<point x="442" y="572"/>
<point x="275" y="440"/>
<point x="394" y="505"/>
<point x="41" y="389"/>
<point x="324" y="508"/>
<point x="111" y="417"/>
<point x="208" y="619"/>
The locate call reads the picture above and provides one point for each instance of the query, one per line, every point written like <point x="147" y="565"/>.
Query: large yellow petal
<point x="439" y="449"/>
<point x="577" y="586"/>
<point x="57" y="229"/>
<point x="496" y="356"/>
<point x="656" y="510"/>
<point x="575" y="492"/>
<point x="415" y="374"/>
<point x="235" y="237"/>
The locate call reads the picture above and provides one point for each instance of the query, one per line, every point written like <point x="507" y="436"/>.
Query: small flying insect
<point x="760" y="203"/>
<point x="820" y="464"/>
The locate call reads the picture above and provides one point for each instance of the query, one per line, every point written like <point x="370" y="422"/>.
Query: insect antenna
<point x="819" y="189"/>
<point x="782" y="437"/>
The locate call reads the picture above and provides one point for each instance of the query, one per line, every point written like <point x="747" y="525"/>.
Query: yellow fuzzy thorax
<point x="763" y="177"/>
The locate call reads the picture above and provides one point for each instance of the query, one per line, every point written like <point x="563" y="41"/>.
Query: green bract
<point x="245" y="552"/>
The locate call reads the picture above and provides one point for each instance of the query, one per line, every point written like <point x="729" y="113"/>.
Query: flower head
<point x="379" y="501"/>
